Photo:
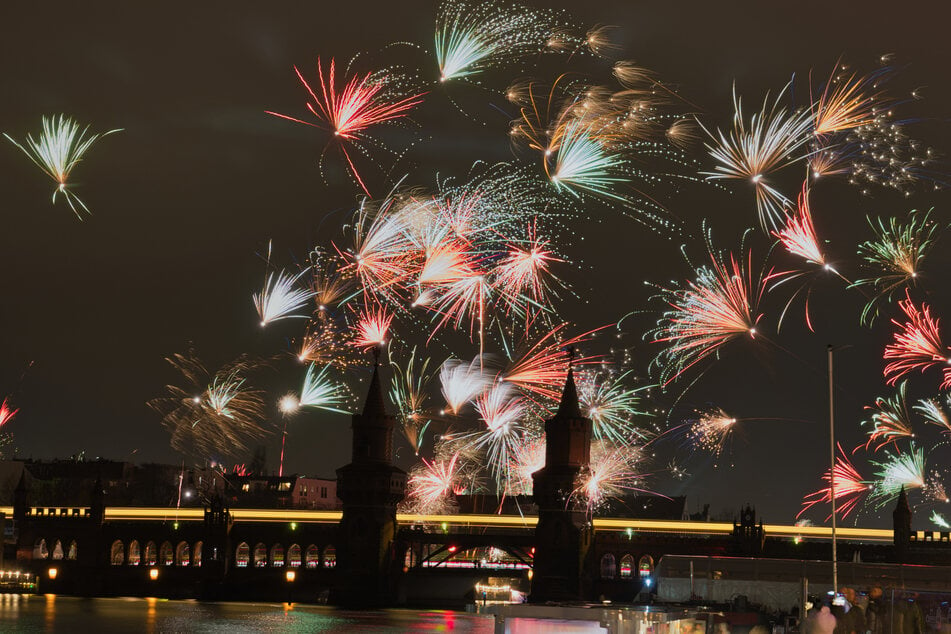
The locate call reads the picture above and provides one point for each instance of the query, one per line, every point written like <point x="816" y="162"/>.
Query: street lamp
<point x="835" y="564"/>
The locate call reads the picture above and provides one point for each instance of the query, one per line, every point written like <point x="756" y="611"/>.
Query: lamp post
<point x="835" y="563"/>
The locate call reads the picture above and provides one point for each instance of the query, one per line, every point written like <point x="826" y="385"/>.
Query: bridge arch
<point x="166" y="554"/>
<point x="329" y="558"/>
<point x="260" y="555"/>
<point x="135" y="554"/>
<point x="242" y="555"/>
<point x="277" y="556"/>
<point x="182" y="554"/>
<point x="312" y="557"/>
<point x="40" y="549"/>
<point x="117" y="553"/>
<point x="151" y="554"/>
<point x="293" y="556"/>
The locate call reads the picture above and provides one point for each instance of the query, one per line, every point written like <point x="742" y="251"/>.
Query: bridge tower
<point x="370" y="487"/>
<point x="564" y="534"/>
<point x="901" y="526"/>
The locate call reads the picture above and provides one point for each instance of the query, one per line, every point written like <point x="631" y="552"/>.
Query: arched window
<point x="330" y="556"/>
<point x="293" y="556"/>
<point x="58" y="550"/>
<point x="608" y="566"/>
<point x="182" y="554"/>
<point x="73" y="551"/>
<point x="166" y="554"/>
<point x="40" y="551"/>
<point x="627" y="565"/>
<point x="196" y="554"/>
<point x="409" y="560"/>
<point x="117" y="555"/>
<point x="151" y="554"/>
<point x="646" y="566"/>
<point x="277" y="555"/>
<point x="135" y="556"/>
<point x="242" y="555"/>
<point x="312" y="557"/>
<point x="260" y="556"/>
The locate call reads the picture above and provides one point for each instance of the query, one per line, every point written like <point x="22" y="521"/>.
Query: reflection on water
<point x="51" y="613"/>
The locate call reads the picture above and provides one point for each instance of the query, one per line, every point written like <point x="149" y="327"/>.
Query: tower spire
<point x="375" y="405"/>
<point x="569" y="406"/>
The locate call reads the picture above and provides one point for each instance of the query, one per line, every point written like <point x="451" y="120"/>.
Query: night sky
<point x="186" y="198"/>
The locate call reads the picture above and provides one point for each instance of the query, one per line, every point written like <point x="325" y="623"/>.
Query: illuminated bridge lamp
<point x="52" y="572"/>
<point x="452" y="549"/>
<point x="293" y="526"/>
<point x="290" y="575"/>
<point x="153" y="574"/>
<point x="630" y="532"/>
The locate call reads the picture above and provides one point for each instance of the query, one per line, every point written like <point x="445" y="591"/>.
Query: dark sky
<point x="186" y="197"/>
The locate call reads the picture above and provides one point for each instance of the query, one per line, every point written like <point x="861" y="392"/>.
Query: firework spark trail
<point x="846" y="103"/>
<point x="849" y="488"/>
<point x="610" y="474"/>
<point x="431" y="485"/>
<point x="373" y="328"/>
<point x="894" y="256"/>
<point x="280" y="297"/>
<point x="889" y="420"/>
<point x="799" y="234"/>
<point x="711" y="431"/>
<point x="211" y="413"/>
<point x="935" y="414"/>
<point x="612" y="406"/>
<point x="755" y="150"/>
<point x="350" y="111"/>
<point x="472" y="37"/>
<point x="939" y="520"/>
<point x="409" y="391"/>
<point x="57" y="151"/>
<point x="718" y="307"/>
<point x="320" y="391"/>
<point x="461" y="382"/>
<point x="917" y="344"/>
<point x="896" y="472"/>
<point x="529" y="457"/>
<point x="542" y="369"/>
<point x="501" y="409"/>
<point x="7" y="412"/>
<point x="584" y="162"/>
<point x="522" y="277"/>
<point x="383" y="255"/>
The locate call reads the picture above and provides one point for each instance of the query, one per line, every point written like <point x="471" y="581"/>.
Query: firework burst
<point x="281" y="297"/>
<point x="322" y="392"/>
<point x="432" y="484"/>
<point x="917" y="344"/>
<point x="613" y="406"/>
<point x="349" y="110"/>
<point x="889" y="420"/>
<point x="898" y="471"/>
<point x="57" y="151"/>
<point x="849" y="487"/>
<point x="7" y="413"/>
<point x="462" y="382"/>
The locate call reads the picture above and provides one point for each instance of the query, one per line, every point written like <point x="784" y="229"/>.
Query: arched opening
<point x="277" y="555"/>
<point x="135" y="556"/>
<point x="260" y="556"/>
<point x="151" y="554"/>
<point x="73" y="552"/>
<point x="627" y="565"/>
<point x="196" y="554"/>
<point x="40" y="551"/>
<point x="330" y="556"/>
<point x="608" y="566"/>
<point x="58" y="550"/>
<point x="166" y="554"/>
<point x="646" y="566"/>
<point x="312" y="557"/>
<point x="293" y="556"/>
<point x="182" y="554"/>
<point x="242" y="555"/>
<point x="117" y="554"/>
<point x="409" y="560"/>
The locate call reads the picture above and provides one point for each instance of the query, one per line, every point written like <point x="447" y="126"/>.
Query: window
<point x="135" y="557"/>
<point x="58" y="550"/>
<point x="260" y="556"/>
<point x="608" y="566"/>
<point x="277" y="555"/>
<point x="196" y="554"/>
<point x="40" y="550"/>
<point x="151" y="554"/>
<point x="293" y="556"/>
<point x="323" y="492"/>
<point x="284" y="486"/>
<point x="646" y="566"/>
<point x="73" y="551"/>
<point x="166" y="554"/>
<point x="312" y="558"/>
<point x="627" y="564"/>
<point x="330" y="557"/>
<point x="245" y="487"/>
<point x="182" y="554"/>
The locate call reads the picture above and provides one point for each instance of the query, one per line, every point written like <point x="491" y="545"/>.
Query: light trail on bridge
<point x="301" y="516"/>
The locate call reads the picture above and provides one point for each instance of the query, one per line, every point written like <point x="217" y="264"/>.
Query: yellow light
<point x="52" y="572"/>
<point x="290" y="575"/>
<point x="153" y="574"/>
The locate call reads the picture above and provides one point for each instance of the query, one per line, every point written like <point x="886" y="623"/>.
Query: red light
<point x="452" y="549"/>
